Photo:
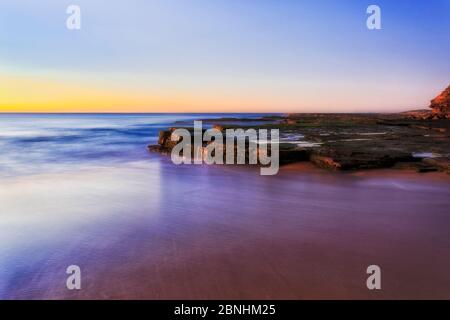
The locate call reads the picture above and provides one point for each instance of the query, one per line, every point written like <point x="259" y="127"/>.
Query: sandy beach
<point x="227" y="233"/>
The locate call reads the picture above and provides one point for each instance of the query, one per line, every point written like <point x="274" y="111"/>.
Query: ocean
<point x="37" y="143"/>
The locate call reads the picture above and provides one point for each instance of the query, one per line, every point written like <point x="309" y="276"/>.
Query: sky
<point x="222" y="56"/>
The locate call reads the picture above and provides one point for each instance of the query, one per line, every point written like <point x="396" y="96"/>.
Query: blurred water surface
<point x="84" y="190"/>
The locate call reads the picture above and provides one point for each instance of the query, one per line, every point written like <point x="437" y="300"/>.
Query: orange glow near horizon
<point x="24" y="93"/>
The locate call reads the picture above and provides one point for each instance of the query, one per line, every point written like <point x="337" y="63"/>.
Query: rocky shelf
<point x="354" y="141"/>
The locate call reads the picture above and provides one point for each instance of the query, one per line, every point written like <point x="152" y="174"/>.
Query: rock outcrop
<point x="440" y="106"/>
<point x="168" y="140"/>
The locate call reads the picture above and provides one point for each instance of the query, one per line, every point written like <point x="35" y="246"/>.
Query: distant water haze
<point x="84" y="190"/>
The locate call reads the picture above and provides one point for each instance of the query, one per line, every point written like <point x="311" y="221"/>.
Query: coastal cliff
<point x="439" y="108"/>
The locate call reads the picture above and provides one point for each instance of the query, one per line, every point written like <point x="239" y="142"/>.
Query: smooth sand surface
<point x="158" y="231"/>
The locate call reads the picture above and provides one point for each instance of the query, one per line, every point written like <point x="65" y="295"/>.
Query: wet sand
<point x="158" y="231"/>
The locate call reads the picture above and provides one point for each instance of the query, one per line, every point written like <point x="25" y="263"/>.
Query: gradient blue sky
<point x="223" y="55"/>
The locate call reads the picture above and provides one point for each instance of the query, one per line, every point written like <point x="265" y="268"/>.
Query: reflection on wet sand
<point x="155" y="230"/>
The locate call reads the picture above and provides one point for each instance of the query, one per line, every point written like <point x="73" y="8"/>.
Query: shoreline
<point x="143" y="228"/>
<point x="405" y="173"/>
<point x="344" y="142"/>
